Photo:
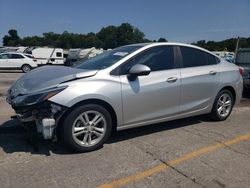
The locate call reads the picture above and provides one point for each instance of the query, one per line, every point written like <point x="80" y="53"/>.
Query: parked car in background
<point x="13" y="60"/>
<point x="243" y="60"/>
<point x="228" y="56"/>
<point x="126" y="87"/>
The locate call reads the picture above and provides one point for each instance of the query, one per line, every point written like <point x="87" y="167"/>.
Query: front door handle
<point x="212" y="73"/>
<point x="172" y="79"/>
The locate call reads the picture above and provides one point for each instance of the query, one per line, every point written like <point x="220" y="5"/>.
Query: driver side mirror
<point x="138" y="70"/>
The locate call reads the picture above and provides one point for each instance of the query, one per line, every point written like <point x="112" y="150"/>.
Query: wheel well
<point x="25" y="64"/>
<point x="231" y="89"/>
<point x="92" y="101"/>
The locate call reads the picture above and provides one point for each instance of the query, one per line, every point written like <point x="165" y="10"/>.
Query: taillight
<point x="241" y="70"/>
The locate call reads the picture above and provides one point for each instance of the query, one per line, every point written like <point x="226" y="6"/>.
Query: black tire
<point x="26" y="68"/>
<point x="69" y="121"/>
<point x="214" y="113"/>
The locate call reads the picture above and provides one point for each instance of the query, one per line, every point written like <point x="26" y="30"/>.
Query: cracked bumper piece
<point x="45" y="115"/>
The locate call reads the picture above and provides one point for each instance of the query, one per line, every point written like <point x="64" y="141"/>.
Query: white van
<point x="48" y="56"/>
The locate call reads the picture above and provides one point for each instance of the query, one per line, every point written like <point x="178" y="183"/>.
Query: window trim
<point x="117" y="70"/>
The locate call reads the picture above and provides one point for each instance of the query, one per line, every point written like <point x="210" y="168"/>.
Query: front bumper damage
<point x="45" y="116"/>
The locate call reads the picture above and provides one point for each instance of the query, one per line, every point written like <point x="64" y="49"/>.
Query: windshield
<point x="107" y="58"/>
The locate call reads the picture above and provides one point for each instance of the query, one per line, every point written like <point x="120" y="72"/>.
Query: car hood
<point x="45" y="78"/>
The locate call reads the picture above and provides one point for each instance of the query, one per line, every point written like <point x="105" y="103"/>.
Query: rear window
<point x="243" y="58"/>
<point x="29" y="56"/>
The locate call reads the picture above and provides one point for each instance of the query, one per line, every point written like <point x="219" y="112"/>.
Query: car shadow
<point x="11" y="71"/>
<point x="14" y="137"/>
<point x="154" y="128"/>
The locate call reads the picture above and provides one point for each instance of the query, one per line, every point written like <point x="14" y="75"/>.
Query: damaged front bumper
<point x="45" y="115"/>
<point x="36" y="107"/>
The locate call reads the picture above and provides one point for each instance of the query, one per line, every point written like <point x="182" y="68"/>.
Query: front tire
<point x="223" y="105"/>
<point x="87" y="128"/>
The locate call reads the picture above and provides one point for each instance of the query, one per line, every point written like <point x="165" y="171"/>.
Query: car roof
<point x="152" y="44"/>
<point x="12" y="53"/>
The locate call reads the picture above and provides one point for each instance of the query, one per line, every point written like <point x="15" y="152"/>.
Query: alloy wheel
<point x="89" y="128"/>
<point x="26" y="68"/>
<point x="224" y="105"/>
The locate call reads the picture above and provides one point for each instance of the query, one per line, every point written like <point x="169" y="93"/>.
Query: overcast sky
<point x="176" y="20"/>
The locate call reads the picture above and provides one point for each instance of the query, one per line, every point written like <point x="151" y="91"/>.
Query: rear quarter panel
<point x="230" y="76"/>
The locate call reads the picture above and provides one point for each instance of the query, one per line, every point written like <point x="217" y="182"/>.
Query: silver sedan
<point x="129" y="86"/>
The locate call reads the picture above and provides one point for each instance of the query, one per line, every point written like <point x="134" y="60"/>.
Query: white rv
<point x="48" y="55"/>
<point x="78" y="53"/>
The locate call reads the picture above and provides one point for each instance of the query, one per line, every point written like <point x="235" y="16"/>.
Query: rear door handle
<point x="212" y="73"/>
<point x="172" y="79"/>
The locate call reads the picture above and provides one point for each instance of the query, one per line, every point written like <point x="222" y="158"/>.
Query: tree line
<point x="225" y="45"/>
<point x="108" y="37"/>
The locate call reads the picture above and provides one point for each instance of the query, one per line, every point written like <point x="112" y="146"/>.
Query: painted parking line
<point x="161" y="167"/>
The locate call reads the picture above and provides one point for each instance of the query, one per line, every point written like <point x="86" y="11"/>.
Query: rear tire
<point x="223" y="105"/>
<point x="87" y="128"/>
<point x="26" y="68"/>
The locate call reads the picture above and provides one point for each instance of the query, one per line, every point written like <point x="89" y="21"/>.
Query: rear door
<point x="200" y="79"/>
<point x="16" y="60"/>
<point x="155" y="96"/>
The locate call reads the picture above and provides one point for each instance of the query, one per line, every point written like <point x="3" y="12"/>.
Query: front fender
<point x="108" y="91"/>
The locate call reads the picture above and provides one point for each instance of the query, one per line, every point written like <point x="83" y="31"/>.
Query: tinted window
<point x="58" y="54"/>
<point x="16" y="56"/>
<point x="193" y="57"/>
<point x="211" y="60"/>
<point x="156" y="58"/>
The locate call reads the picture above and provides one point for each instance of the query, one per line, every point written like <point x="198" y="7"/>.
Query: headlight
<point x="27" y="100"/>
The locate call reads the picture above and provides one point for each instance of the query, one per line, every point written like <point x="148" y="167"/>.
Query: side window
<point x="16" y="56"/>
<point x="156" y="58"/>
<point x="211" y="60"/>
<point x="58" y="54"/>
<point x="192" y="57"/>
<point x="3" y="56"/>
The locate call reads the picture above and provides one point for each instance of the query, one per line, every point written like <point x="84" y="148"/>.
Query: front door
<point x="153" y="97"/>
